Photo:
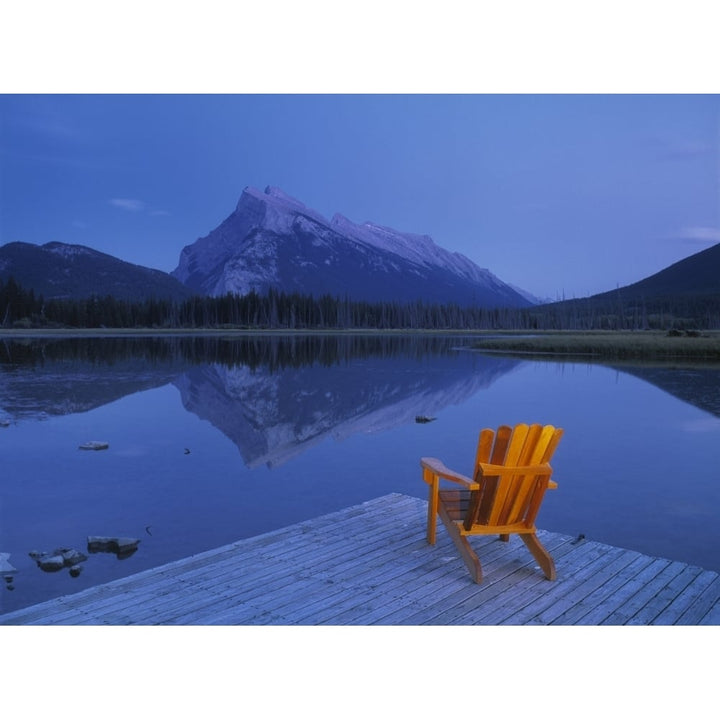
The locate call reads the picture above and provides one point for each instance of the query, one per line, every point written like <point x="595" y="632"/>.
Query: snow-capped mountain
<point x="272" y="240"/>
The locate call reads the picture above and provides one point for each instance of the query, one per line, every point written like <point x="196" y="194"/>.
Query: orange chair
<point x="512" y="473"/>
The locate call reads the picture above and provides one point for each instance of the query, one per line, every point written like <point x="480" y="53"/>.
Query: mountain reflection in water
<point x="271" y="396"/>
<point x="60" y="376"/>
<point x="214" y="438"/>
<point x="272" y="416"/>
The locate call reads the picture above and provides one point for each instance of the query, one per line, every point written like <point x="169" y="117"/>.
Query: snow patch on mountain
<point x="68" y="251"/>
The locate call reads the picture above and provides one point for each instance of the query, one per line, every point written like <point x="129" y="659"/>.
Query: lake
<point x="213" y="439"/>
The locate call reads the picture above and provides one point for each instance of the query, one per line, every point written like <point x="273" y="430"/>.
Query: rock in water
<point x="51" y="563"/>
<point x="58" y="559"/>
<point x="121" y="546"/>
<point x="72" y="556"/>
<point x="94" y="445"/>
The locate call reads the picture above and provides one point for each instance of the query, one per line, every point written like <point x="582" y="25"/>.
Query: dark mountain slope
<point x="57" y="270"/>
<point x="697" y="275"/>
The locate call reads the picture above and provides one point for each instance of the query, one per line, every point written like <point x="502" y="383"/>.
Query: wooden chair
<point x="512" y="473"/>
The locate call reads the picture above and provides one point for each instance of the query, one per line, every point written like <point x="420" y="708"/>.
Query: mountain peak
<point x="273" y="240"/>
<point x="272" y="196"/>
<point x="278" y="194"/>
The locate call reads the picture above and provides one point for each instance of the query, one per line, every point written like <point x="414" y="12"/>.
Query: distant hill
<point x="57" y="270"/>
<point x="687" y="293"/>
<point x="272" y="240"/>
<point x="696" y="275"/>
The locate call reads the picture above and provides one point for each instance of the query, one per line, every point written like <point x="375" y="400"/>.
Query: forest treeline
<point x="22" y="308"/>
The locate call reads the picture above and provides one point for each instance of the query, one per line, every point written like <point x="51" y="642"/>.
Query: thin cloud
<point x="159" y="212"/>
<point x="688" y="149"/>
<point x="43" y="117"/>
<point x="700" y="235"/>
<point x="128" y="204"/>
<point x="681" y="148"/>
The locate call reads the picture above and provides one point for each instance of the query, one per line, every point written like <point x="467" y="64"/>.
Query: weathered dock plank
<point x="512" y="601"/>
<point x="461" y="599"/>
<point x="648" y="614"/>
<point x="644" y="594"/>
<point x="370" y="564"/>
<point x="620" y="589"/>
<point x="580" y="563"/>
<point x="702" y="604"/>
<point x="611" y="582"/>
<point x="684" y="600"/>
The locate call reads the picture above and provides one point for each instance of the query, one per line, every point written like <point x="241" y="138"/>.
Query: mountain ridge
<point x="696" y="274"/>
<point x="273" y="240"/>
<point x="58" y="270"/>
<point x="683" y="295"/>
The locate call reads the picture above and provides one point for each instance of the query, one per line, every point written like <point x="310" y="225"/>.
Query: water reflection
<point x="41" y="378"/>
<point x="698" y="386"/>
<point x="212" y="439"/>
<point x="272" y="396"/>
<point x="272" y="416"/>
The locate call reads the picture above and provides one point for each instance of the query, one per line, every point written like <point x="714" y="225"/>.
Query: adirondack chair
<point x="511" y="475"/>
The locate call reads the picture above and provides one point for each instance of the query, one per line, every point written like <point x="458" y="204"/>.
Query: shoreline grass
<point x="608" y="345"/>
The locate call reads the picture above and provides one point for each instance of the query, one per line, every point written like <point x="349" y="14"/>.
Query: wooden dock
<point x="370" y="564"/>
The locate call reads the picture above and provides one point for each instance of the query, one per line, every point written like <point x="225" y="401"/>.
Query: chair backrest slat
<point x="536" y="499"/>
<point x="536" y="445"/>
<point x="512" y="459"/>
<point x="484" y="447"/>
<point x="520" y="487"/>
<point x="515" y="498"/>
<point x="492" y="448"/>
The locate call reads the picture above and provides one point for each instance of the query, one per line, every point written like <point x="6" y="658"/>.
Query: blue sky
<point x="570" y="194"/>
<point x="513" y="153"/>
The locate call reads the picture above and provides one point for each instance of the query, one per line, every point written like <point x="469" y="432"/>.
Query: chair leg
<point x="505" y="538"/>
<point x="432" y="509"/>
<point x="468" y="555"/>
<point x="546" y="563"/>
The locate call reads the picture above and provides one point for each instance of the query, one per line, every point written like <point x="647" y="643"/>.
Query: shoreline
<point x="602" y="346"/>
<point x="177" y="332"/>
<point x="594" y="346"/>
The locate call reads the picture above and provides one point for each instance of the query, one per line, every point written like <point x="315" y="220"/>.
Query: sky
<point x="561" y="195"/>
<point x="562" y="188"/>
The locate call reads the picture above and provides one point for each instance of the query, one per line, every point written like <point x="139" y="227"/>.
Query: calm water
<point x="212" y="440"/>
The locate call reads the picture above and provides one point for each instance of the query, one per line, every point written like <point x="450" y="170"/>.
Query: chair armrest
<point x="438" y="469"/>
<point x="494" y="470"/>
